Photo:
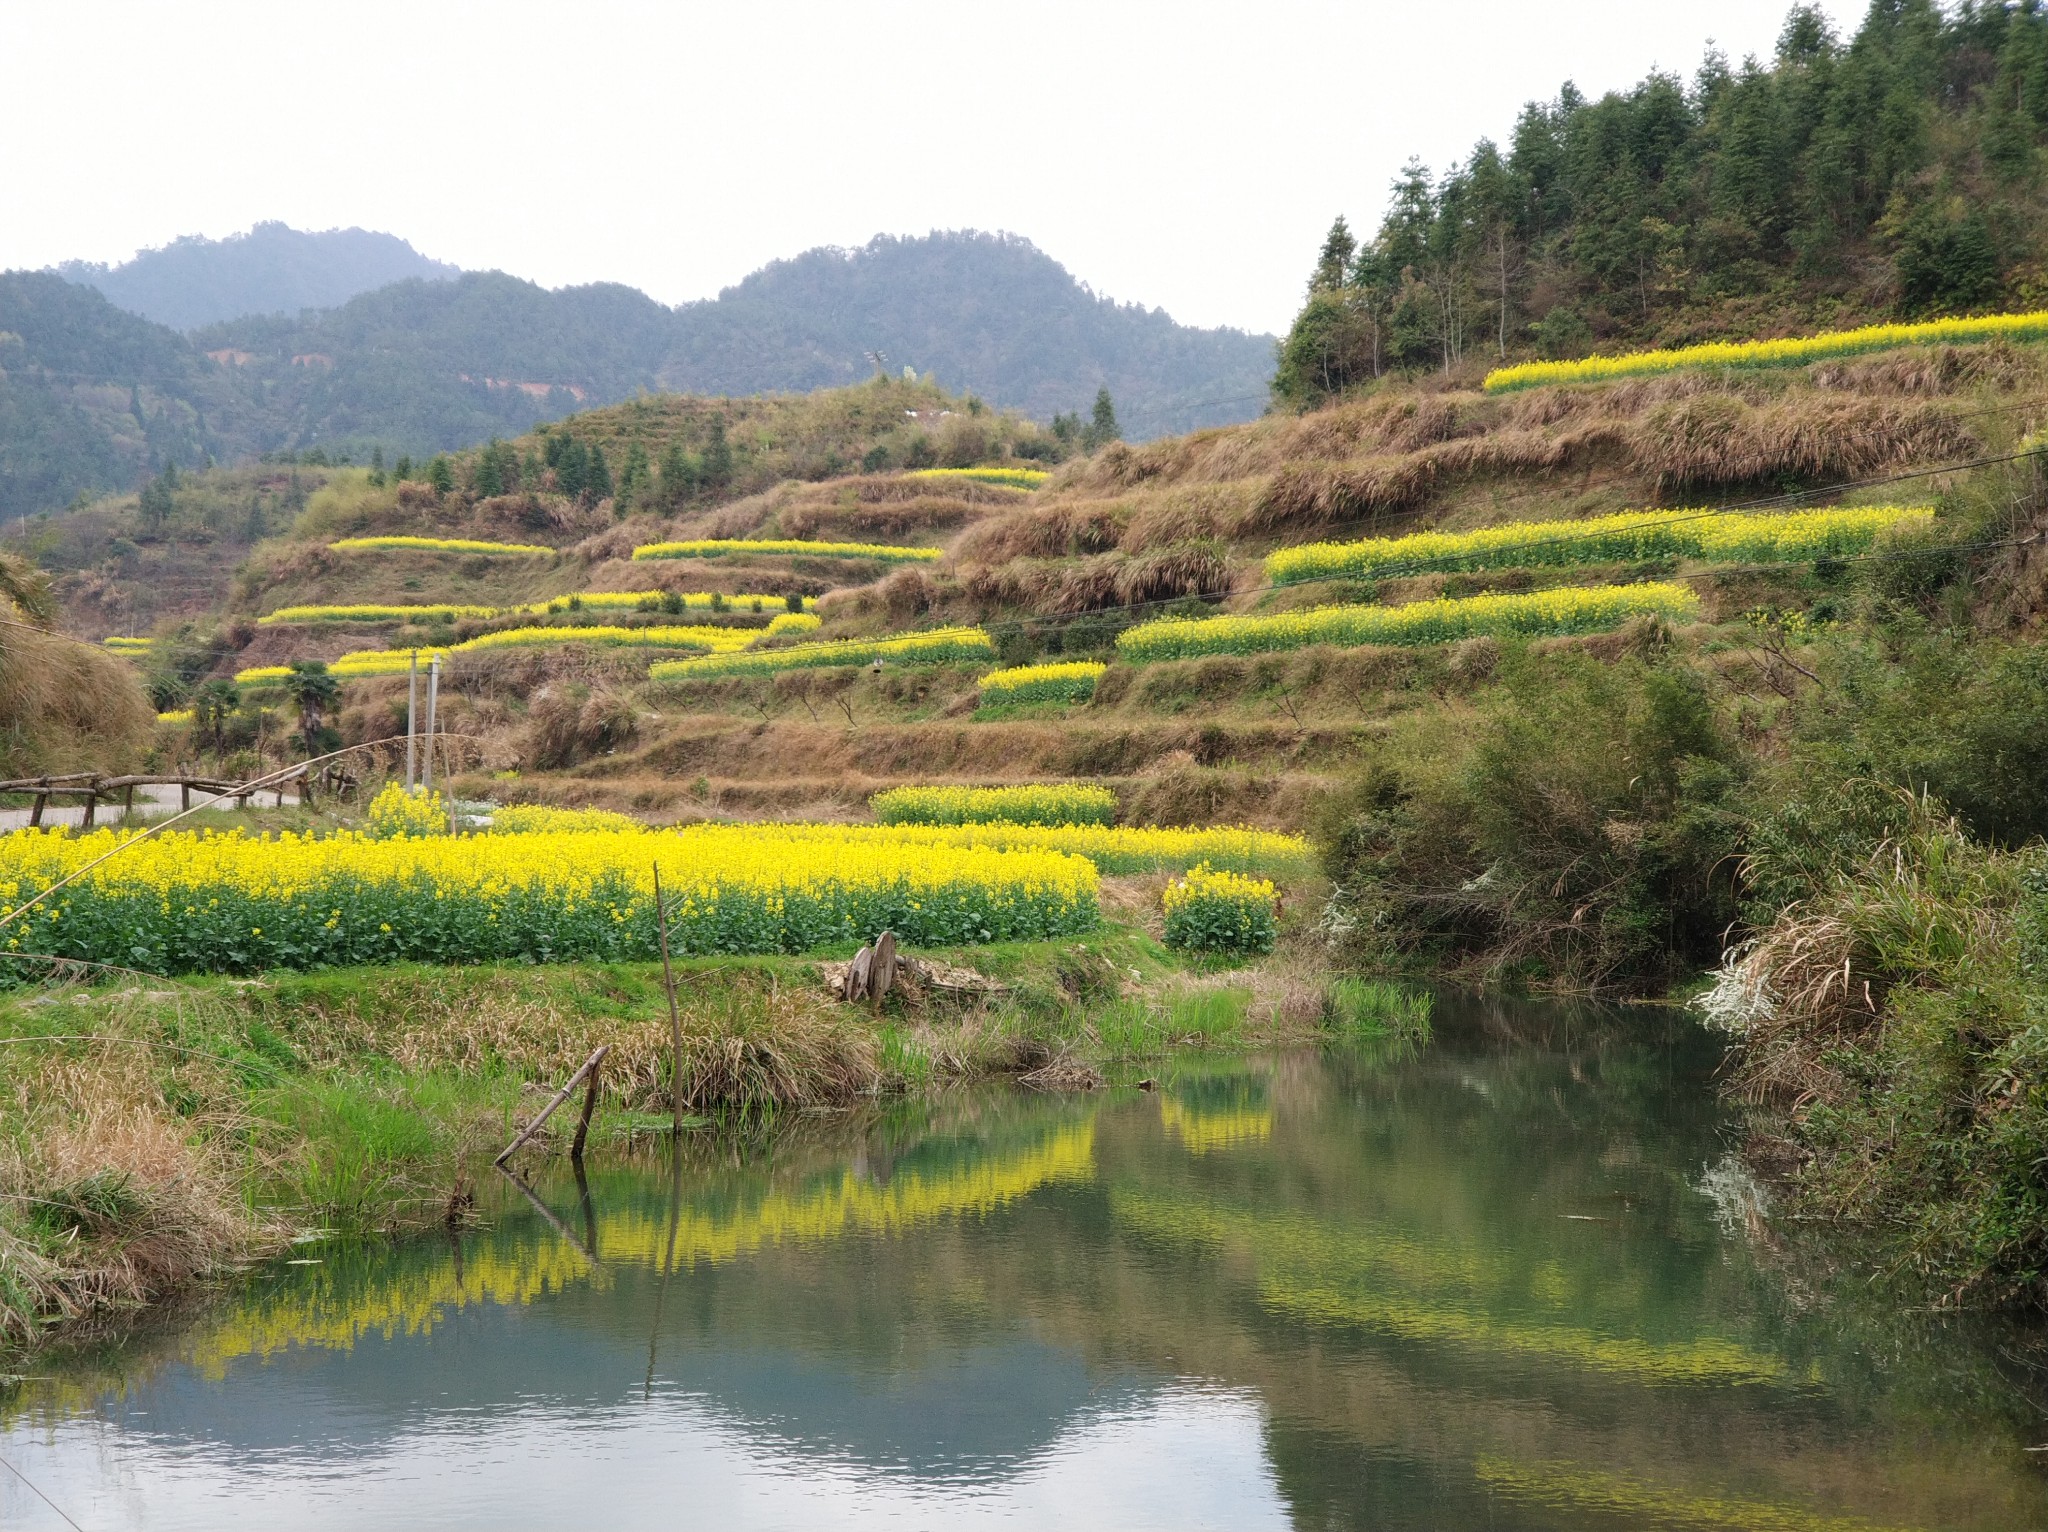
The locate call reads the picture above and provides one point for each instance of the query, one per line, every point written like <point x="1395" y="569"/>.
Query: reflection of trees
<point x="1376" y="1246"/>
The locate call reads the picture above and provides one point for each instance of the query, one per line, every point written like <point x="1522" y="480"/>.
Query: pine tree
<point x="1102" y="427"/>
<point x="597" y="476"/>
<point x="1333" y="266"/>
<point x="678" y="475"/>
<point x="488" y="481"/>
<point x="717" y="460"/>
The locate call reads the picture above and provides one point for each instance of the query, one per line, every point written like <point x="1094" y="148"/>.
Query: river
<point x="1513" y="1279"/>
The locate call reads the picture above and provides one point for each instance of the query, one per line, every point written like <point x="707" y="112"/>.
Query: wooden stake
<point x="675" y="1020"/>
<point x="548" y="1111"/>
<point x="589" y="1106"/>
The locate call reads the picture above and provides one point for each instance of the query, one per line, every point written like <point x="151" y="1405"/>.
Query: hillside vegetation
<point x="95" y="399"/>
<point x="1708" y="677"/>
<point x="1895" y="172"/>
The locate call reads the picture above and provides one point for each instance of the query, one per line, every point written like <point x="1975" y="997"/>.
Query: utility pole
<point x="433" y="697"/>
<point x="412" y="712"/>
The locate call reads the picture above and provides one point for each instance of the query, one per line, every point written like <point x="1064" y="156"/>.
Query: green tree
<point x="314" y="692"/>
<point x="597" y="477"/>
<point x="441" y="475"/>
<point x="1102" y="426"/>
<point x="1333" y="265"/>
<point x="488" y="479"/>
<point x="213" y="704"/>
<point x="717" y="457"/>
<point x="678" y="476"/>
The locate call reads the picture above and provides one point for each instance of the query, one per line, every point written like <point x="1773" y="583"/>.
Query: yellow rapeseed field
<point x="1789" y="352"/>
<point x="185" y="902"/>
<point x="1718" y="535"/>
<point x="432" y="545"/>
<point x="938" y="647"/>
<point x="1567" y="609"/>
<point x="713" y="547"/>
<point x="1061" y="681"/>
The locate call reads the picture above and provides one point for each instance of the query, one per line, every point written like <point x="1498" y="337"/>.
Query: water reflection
<point x="1475" y="1287"/>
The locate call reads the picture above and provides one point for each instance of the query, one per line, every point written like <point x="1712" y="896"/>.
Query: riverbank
<point x="159" y="1133"/>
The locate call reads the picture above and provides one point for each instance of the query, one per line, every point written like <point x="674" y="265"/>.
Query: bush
<point x="1210" y="911"/>
<point x="396" y="813"/>
<point x="1578" y="831"/>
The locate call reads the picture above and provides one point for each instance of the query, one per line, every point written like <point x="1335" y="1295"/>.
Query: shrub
<point x="1567" y="609"/>
<point x="1577" y="829"/>
<point x="396" y="813"/>
<point x="1049" y="803"/>
<point x="1071" y="681"/>
<point x="1210" y="911"/>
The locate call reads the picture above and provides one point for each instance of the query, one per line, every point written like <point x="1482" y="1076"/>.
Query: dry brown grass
<point x="66" y="704"/>
<point x="133" y="1199"/>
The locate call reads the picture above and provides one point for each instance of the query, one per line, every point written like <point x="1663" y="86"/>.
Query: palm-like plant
<point x="314" y="691"/>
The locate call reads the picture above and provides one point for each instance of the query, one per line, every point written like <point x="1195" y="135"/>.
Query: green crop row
<point x="939" y="647"/>
<point x="1720" y="536"/>
<point x="1067" y="681"/>
<point x="1569" y="609"/>
<point x="1789" y="352"/>
<point x="713" y="547"/>
<point x="1036" y="803"/>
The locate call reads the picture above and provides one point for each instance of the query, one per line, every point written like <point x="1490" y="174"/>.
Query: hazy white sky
<point x="1184" y="155"/>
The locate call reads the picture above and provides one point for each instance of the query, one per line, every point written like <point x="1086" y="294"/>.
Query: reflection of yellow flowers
<point x="411" y="1301"/>
<point x="1202" y="1132"/>
<point x="1341" y="1277"/>
<point x="1578" y="1488"/>
<point x="1566" y="609"/>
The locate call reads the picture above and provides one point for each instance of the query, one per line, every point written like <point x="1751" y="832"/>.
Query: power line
<point x="46" y="1500"/>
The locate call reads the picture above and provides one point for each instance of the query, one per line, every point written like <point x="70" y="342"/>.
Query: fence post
<point x="412" y="709"/>
<point x="433" y="699"/>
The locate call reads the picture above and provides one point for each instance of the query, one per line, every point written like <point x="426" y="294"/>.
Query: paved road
<point x="150" y="803"/>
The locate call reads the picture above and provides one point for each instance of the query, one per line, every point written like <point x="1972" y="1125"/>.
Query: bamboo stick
<point x="548" y="1111"/>
<point x="675" y="1020"/>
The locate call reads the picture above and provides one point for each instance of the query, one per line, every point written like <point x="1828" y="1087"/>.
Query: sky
<point x="1187" y="156"/>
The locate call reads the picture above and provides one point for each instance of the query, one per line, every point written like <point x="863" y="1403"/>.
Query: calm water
<point x="1509" y="1282"/>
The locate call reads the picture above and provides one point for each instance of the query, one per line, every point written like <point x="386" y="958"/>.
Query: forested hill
<point x="987" y="312"/>
<point x="1898" y="171"/>
<point x="272" y="269"/>
<point x="94" y="398"/>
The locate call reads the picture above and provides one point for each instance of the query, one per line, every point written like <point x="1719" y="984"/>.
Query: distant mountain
<point x="93" y="397"/>
<point x="991" y="313"/>
<point x="272" y="269"/>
